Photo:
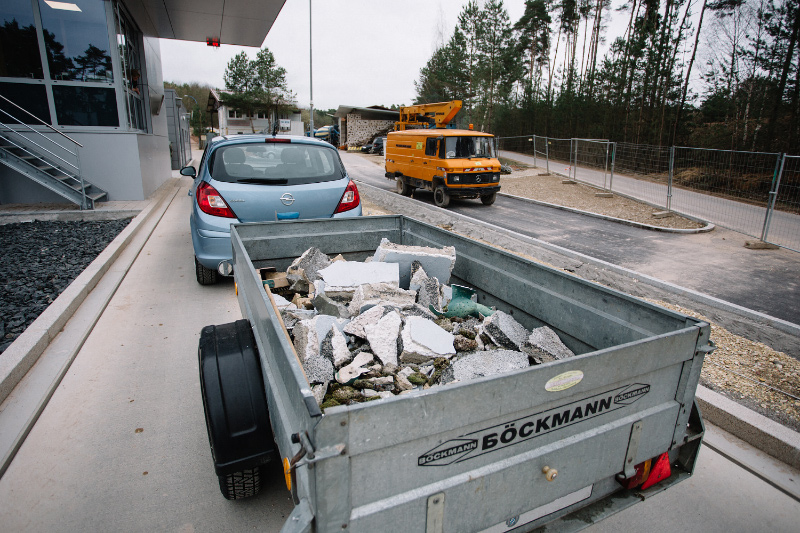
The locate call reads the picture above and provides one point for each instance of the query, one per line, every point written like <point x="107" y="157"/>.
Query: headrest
<point x="234" y="156"/>
<point x="291" y="155"/>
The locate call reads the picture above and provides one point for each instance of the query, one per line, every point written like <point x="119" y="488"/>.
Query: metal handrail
<point x="24" y="149"/>
<point x="42" y="122"/>
<point x="39" y="133"/>
<point x="77" y="169"/>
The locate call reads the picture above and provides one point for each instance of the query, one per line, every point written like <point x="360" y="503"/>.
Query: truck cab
<point x="449" y="162"/>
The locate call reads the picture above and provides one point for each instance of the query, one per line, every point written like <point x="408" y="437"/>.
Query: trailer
<point x="561" y="445"/>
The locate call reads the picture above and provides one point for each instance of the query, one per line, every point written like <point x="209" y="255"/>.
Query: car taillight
<point x="211" y="202"/>
<point x="350" y="199"/>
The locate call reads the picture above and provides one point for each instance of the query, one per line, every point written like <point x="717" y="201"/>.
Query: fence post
<point x="613" y="159"/>
<point x="773" y="194"/>
<point x="547" y="154"/>
<point x="669" y="180"/>
<point x="534" y="150"/>
<point x="605" y="168"/>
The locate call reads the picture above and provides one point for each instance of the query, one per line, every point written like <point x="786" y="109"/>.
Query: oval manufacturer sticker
<point x="564" y="381"/>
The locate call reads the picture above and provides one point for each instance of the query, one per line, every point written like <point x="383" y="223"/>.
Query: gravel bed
<point x="537" y="185"/>
<point x="39" y="260"/>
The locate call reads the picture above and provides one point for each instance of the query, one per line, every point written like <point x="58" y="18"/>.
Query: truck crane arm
<point x="439" y="114"/>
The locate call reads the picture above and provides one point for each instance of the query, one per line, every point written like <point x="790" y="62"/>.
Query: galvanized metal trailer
<point x="546" y="446"/>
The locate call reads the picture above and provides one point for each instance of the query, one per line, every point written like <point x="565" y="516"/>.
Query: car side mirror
<point x="189" y="171"/>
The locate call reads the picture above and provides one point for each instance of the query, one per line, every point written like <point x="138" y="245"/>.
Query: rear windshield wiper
<point x="269" y="181"/>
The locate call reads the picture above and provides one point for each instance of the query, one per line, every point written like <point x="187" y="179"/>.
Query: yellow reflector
<point x="287" y="473"/>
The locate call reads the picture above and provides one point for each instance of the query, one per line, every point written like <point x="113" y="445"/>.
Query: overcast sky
<point x="366" y="52"/>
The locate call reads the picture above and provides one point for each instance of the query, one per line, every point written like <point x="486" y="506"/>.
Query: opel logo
<point x="287" y="199"/>
<point x="478" y="179"/>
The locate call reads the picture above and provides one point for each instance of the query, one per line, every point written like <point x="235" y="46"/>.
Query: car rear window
<point x="275" y="163"/>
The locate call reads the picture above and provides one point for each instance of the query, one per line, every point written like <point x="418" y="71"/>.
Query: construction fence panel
<point x="783" y="225"/>
<point x="642" y="171"/>
<point x="727" y="187"/>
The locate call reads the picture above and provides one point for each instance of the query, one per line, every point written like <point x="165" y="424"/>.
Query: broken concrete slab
<point x="423" y="341"/>
<point x="310" y="262"/>
<point x="309" y="334"/>
<point x="382" y="337"/>
<point x="318" y="369"/>
<point x="548" y="340"/>
<point x="369" y="295"/>
<point x="402" y="383"/>
<point x="437" y="262"/>
<point x="328" y="306"/>
<point x="282" y="303"/>
<point x="356" y="367"/>
<point x="370" y="316"/>
<point x="430" y="293"/>
<point x="505" y="331"/>
<point x="334" y="347"/>
<point x="484" y="363"/>
<point x="418" y="275"/>
<point x="342" y="274"/>
<point x="293" y="316"/>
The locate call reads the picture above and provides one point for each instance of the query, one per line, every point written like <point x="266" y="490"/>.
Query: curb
<point x="705" y="229"/>
<point x="751" y="427"/>
<point x="23" y="353"/>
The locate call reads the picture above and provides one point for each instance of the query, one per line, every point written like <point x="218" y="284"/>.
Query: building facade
<point x="234" y="122"/>
<point x="81" y="80"/>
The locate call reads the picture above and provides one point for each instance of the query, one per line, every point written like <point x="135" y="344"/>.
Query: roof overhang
<point x="367" y="113"/>
<point x="240" y="22"/>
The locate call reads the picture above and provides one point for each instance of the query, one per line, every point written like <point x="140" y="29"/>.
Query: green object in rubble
<point x="462" y="306"/>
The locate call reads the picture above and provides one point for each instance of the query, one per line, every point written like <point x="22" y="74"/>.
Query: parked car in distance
<point x="261" y="178"/>
<point x="377" y="146"/>
<point x="367" y="148"/>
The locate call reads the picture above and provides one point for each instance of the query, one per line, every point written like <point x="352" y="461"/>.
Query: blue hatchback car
<point x="259" y="178"/>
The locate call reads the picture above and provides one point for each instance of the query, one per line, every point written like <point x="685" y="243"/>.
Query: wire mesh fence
<point x="783" y="223"/>
<point x="754" y="193"/>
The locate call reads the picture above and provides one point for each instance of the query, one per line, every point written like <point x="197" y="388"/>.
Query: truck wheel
<point x="240" y="485"/>
<point x="440" y="197"/>
<point x="489" y="198"/>
<point x="402" y="187"/>
<point x="205" y="276"/>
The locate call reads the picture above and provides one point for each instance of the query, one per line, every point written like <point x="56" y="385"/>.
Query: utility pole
<point x="310" y="72"/>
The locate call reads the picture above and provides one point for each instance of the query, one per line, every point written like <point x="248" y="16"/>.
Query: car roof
<point x="258" y="137"/>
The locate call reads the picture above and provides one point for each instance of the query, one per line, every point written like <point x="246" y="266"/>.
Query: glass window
<point x="430" y="146"/>
<point x="85" y="106"/>
<point x="275" y="163"/>
<point x="76" y="39"/>
<point x="29" y="96"/>
<point x="19" y="45"/>
<point x="466" y="147"/>
<point x="128" y="38"/>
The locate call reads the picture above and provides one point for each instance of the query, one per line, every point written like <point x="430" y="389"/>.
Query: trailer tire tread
<point x="239" y="485"/>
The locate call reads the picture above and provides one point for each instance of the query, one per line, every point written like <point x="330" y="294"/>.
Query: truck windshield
<point x="467" y="147"/>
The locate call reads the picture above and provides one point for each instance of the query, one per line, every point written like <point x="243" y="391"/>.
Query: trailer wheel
<point x="402" y="187"/>
<point x="205" y="276"/>
<point x="440" y="197"/>
<point x="240" y="485"/>
<point x="489" y="199"/>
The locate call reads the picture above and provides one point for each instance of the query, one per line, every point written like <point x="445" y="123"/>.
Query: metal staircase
<point x="42" y="159"/>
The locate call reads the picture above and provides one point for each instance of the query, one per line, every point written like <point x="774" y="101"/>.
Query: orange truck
<point x="449" y="162"/>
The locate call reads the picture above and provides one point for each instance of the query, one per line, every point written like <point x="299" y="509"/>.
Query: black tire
<point x="240" y="485"/>
<point x="205" y="276"/>
<point x="402" y="187"/>
<point x="489" y="199"/>
<point x="440" y="197"/>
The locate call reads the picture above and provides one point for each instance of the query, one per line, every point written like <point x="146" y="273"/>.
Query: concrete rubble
<point x="365" y="337"/>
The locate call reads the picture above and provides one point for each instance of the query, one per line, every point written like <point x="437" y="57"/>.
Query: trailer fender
<point x="234" y="399"/>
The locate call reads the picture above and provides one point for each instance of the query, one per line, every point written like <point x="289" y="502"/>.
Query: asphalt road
<point x="714" y="263"/>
